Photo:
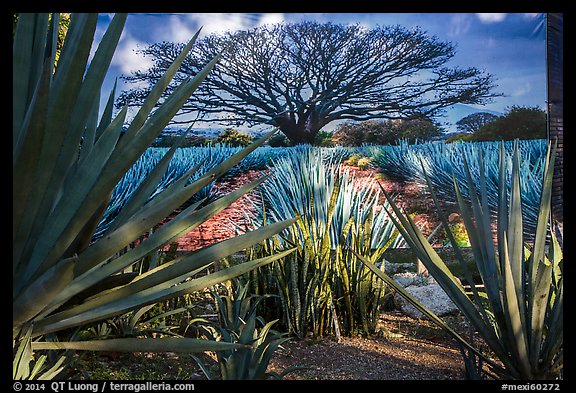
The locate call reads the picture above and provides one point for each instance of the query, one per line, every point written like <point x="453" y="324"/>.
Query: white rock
<point x="408" y="278"/>
<point x="431" y="296"/>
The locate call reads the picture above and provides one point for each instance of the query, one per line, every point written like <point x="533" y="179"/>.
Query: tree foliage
<point x="473" y="122"/>
<point x="385" y="132"/>
<point x="519" y="122"/>
<point x="301" y="77"/>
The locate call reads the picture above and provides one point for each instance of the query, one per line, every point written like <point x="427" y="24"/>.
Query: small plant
<point x="457" y="231"/>
<point x="322" y="288"/>
<point x="364" y="163"/>
<point x="238" y="323"/>
<point x="353" y="159"/>
<point x="279" y="140"/>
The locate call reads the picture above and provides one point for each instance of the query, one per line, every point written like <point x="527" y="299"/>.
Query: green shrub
<point x="353" y="159"/>
<point x="238" y="323"/>
<point x="279" y="140"/>
<point x="233" y="137"/>
<point x="517" y="123"/>
<point x="322" y="288"/>
<point x="364" y="163"/>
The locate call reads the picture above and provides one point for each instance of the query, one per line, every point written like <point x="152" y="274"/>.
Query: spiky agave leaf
<point x="66" y="165"/>
<point x="524" y="289"/>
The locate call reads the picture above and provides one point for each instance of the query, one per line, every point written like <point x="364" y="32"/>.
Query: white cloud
<point x="220" y="22"/>
<point x="491" y="18"/>
<point x="522" y="90"/>
<point x="266" y="19"/>
<point x="459" y="24"/>
<point x="126" y="58"/>
<point x="177" y="29"/>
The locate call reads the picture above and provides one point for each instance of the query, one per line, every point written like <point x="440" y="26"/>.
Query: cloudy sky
<point x="509" y="46"/>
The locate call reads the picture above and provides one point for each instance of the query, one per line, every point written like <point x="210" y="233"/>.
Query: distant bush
<point x="233" y="137"/>
<point x="386" y="132"/>
<point x="517" y="123"/>
<point x="474" y="122"/>
<point x="459" y="137"/>
<point x="364" y="163"/>
<point x="353" y="159"/>
<point x="323" y="139"/>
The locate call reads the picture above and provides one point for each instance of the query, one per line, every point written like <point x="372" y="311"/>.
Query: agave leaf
<point x="64" y="93"/>
<point x="28" y="132"/>
<point x="97" y="70"/>
<point x="21" y="362"/>
<point x="541" y="270"/>
<point x="99" y="252"/>
<point x="491" y="285"/>
<point x="38" y="366"/>
<point x="107" y="113"/>
<point x="553" y="340"/>
<point x="441" y="273"/>
<point x="169" y="344"/>
<point x="481" y="232"/>
<point x="118" y="163"/>
<point x="87" y="101"/>
<point x="110" y="304"/>
<point x="53" y="371"/>
<point x="28" y="304"/>
<point x="513" y="316"/>
<point x="130" y="149"/>
<point x="148" y="185"/>
<point x="26" y="62"/>
<point x="457" y="251"/>
<point x="26" y="163"/>
<point x="514" y="238"/>
<point x="502" y="225"/>
<point x="184" y="222"/>
<point x="429" y="314"/>
<point x="66" y="222"/>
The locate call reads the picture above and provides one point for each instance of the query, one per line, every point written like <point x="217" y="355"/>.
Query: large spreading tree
<point x="301" y="77"/>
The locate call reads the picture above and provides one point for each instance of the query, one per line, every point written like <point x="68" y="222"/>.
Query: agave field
<point x="97" y="212"/>
<point x="442" y="163"/>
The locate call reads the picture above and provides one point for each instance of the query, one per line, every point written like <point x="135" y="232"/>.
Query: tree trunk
<point x="554" y="57"/>
<point x="300" y="131"/>
<point x="298" y="134"/>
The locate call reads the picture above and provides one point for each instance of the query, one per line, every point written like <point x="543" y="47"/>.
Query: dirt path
<point x="403" y="349"/>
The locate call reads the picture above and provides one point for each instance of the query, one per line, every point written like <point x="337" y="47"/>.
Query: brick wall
<point x="555" y="58"/>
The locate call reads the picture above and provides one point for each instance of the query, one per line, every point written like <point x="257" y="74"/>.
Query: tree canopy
<point x="386" y="132"/>
<point x="519" y="122"/>
<point x="474" y="122"/>
<point x="300" y="77"/>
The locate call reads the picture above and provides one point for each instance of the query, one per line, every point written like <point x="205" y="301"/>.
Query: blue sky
<point x="506" y="45"/>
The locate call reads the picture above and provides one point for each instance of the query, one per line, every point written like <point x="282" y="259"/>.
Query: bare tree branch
<point x="300" y="77"/>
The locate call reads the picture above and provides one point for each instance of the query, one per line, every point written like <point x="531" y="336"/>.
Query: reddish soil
<point x="220" y="226"/>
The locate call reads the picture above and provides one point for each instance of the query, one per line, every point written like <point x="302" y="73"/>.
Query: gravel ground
<point x="403" y="349"/>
